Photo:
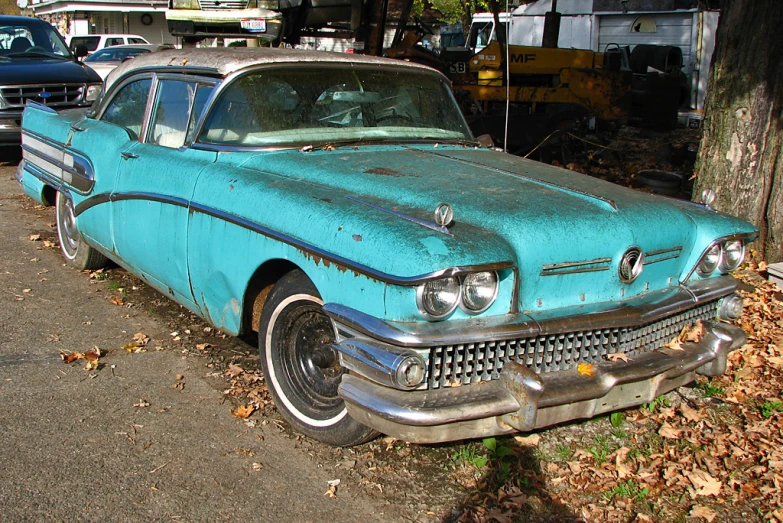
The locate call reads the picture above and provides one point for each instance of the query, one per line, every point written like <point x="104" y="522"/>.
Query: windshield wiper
<point x="328" y="146"/>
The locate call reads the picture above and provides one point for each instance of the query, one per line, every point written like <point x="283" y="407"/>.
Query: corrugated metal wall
<point x="674" y="29"/>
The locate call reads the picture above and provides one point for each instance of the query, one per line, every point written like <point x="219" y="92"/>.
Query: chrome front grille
<point x="483" y="361"/>
<point x="211" y="5"/>
<point x="51" y="95"/>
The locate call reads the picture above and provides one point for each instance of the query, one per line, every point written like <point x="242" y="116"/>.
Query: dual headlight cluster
<point x="723" y="256"/>
<point x="473" y="293"/>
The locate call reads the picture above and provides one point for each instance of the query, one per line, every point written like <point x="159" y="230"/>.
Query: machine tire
<point x="75" y="250"/>
<point x="301" y="370"/>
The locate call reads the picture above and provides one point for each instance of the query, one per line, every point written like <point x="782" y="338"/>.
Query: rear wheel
<point x="76" y="251"/>
<point x="301" y="368"/>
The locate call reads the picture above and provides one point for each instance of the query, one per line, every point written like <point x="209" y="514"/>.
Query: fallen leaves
<point x="617" y="356"/>
<point x="586" y="369"/>
<point x="138" y="343"/>
<point x="700" y="511"/>
<point x="705" y="484"/>
<point x="243" y="411"/>
<point x="332" y="492"/>
<point x="689" y="333"/>
<point x="90" y="356"/>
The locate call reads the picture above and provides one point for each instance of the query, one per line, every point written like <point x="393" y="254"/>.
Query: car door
<point x="100" y="141"/>
<point x="155" y="184"/>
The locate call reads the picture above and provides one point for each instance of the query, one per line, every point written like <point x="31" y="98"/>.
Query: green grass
<point x="601" y="449"/>
<point x="709" y="390"/>
<point x="564" y="452"/>
<point x="660" y="401"/>
<point x="770" y="407"/>
<point x="469" y="455"/>
<point x="628" y="490"/>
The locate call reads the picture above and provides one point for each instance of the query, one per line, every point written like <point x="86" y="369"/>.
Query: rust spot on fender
<point x="384" y="171"/>
<point x="357" y="237"/>
<point x="318" y="260"/>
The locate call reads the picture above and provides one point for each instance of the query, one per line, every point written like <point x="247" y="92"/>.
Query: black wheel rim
<point x="66" y="223"/>
<point x="310" y="365"/>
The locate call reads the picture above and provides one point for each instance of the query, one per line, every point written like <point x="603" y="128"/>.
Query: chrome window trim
<point x="235" y="75"/>
<point x="155" y="76"/>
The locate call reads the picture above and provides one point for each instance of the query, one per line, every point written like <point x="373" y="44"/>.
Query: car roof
<point x="21" y="19"/>
<point x="107" y="35"/>
<point x="223" y="61"/>
<point x="149" y="47"/>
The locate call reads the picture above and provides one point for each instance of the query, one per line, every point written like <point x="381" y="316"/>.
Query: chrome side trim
<point x="408" y="281"/>
<point x="557" y="269"/>
<point x="633" y="312"/>
<point x="662" y="255"/>
<point x="58" y="162"/>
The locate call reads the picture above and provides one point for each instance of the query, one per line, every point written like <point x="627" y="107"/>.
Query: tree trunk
<point x="739" y="157"/>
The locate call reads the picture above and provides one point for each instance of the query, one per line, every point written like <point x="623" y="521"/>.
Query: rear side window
<point x="127" y="107"/>
<point x="90" y="41"/>
<point x="137" y="41"/>
<point x="113" y="41"/>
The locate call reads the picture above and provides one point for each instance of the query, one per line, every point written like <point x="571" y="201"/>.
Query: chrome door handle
<point x="129" y="156"/>
<point x="77" y="129"/>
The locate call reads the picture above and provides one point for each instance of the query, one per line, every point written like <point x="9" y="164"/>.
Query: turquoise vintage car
<point x="402" y="279"/>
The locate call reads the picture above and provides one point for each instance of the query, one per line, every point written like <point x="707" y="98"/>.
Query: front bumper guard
<point x="523" y="401"/>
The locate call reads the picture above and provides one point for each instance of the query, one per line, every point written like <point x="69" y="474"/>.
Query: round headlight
<point x="733" y="254"/>
<point x="479" y="290"/>
<point x="438" y="298"/>
<point x="710" y="261"/>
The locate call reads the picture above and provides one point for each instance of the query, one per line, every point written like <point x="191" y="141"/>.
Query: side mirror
<point x="80" y="51"/>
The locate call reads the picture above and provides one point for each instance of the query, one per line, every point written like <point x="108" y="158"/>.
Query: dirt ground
<point x="712" y="451"/>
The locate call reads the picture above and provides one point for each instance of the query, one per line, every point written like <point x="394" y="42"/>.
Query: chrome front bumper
<point x="522" y="400"/>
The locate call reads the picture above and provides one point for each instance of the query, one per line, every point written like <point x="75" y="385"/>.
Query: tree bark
<point x="739" y="157"/>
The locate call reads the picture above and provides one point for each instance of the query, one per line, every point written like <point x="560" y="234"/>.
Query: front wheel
<point x="301" y="368"/>
<point x="75" y="250"/>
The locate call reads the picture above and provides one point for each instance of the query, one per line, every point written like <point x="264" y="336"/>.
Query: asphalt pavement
<point x="146" y="437"/>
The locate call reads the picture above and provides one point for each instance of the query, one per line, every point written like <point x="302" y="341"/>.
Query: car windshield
<point x="330" y="104"/>
<point x="114" y="54"/>
<point x="30" y="40"/>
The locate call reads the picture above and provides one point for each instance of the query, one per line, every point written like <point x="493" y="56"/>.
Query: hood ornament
<point x="631" y="265"/>
<point x="444" y="215"/>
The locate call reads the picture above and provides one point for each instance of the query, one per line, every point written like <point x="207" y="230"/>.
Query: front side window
<point x="303" y="105"/>
<point x="127" y="107"/>
<point x="177" y="105"/>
